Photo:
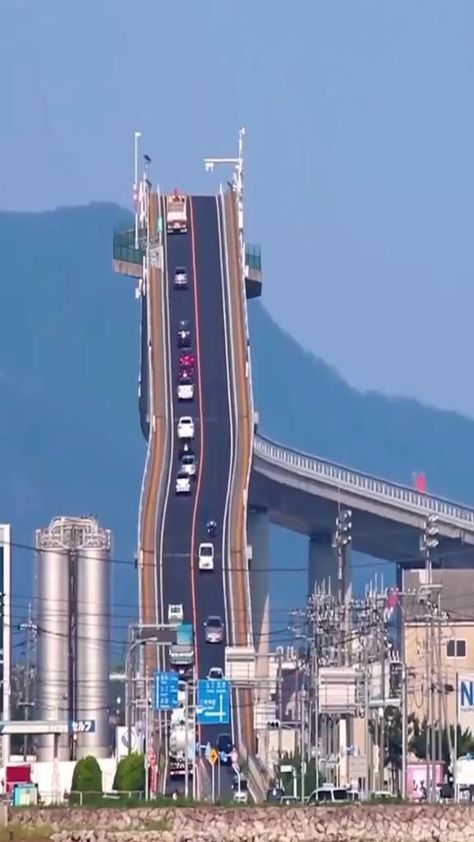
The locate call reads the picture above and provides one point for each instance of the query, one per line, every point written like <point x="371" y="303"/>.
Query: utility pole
<point x="27" y="702"/>
<point x="429" y="542"/>
<point x="342" y="538"/>
<point x="280" y="708"/>
<point x="383" y="657"/>
<point x="404" y="702"/>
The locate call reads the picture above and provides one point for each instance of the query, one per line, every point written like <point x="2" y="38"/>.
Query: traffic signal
<point x="430" y="536"/>
<point x="343" y="535"/>
<point x="273" y="724"/>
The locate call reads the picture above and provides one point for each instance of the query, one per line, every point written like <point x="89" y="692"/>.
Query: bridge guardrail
<point x="341" y="477"/>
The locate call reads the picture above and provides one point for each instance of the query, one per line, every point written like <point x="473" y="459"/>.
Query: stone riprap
<point x="377" y="823"/>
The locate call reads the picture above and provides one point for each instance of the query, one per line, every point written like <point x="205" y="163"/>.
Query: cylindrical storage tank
<point x="52" y="618"/>
<point x="93" y="642"/>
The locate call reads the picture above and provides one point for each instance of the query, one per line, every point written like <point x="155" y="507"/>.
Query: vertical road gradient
<point x="172" y="526"/>
<point x="184" y="526"/>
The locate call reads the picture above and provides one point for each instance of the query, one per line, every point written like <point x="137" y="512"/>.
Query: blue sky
<point x="360" y="138"/>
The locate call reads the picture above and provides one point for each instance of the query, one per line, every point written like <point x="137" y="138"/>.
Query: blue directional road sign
<point x="166" y="691"/>
<point x="213" y="701"/>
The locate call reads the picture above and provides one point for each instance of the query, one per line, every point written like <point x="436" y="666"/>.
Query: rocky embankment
<point x="355" y="823"/>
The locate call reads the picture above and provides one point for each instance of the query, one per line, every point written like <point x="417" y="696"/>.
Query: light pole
<point x="135" y="185"/>
<point x="238" y="186"/>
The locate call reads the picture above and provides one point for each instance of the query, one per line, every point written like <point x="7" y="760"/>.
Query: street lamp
<point x="237" y="185"/>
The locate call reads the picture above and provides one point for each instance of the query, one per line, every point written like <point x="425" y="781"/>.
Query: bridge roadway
<point x="303" y="493"/>
<point x="184" y="523"/>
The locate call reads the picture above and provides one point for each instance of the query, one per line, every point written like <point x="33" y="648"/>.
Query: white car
<point x="175" y="615"/>
<point x="206" y="556"/>
<point x="215" y="674"/>
<point x="185" y="392"/>
<point x="241" y="795"/>
<point x="185" y="427"/>
<point x="183" y="483"/>
<point x="180" y="277"/>
<point x="188" y="465"/>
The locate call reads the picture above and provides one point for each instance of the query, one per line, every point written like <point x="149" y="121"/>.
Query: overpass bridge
<point x="244" y="481"/>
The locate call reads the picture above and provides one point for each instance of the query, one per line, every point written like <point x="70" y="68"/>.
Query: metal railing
<point x="343" y="478"/>
<point x="253" y="257"/>
<point x="124" y="246"/>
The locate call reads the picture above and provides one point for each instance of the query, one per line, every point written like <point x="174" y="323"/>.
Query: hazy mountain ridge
<point x="69" y="429"/>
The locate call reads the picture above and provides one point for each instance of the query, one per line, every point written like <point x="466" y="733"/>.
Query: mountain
<point x="69" y="433"/>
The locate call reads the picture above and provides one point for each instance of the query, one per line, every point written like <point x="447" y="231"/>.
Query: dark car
<point x="275" y="795"/>
<point x="184" y="334"/>
<point x="180" y="278"/>
<point x="225" y="745"/>
<point x="185" y="450"/>
<point x="185" y="375"/>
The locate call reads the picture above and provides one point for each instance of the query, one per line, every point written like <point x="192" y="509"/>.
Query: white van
<point x="206" y="556"/>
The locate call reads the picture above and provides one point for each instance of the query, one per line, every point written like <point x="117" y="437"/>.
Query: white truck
<point x="177" y="748"/>
<point x="176" y="214"/>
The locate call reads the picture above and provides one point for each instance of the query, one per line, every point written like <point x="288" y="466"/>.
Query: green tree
<point x="130" y="774"/>
<point x="87" y="776"/>
<point x="417" y="743"/>
<point x="309" y="778"/>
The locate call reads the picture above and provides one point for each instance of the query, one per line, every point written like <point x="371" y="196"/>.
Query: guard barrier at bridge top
<point x="363" y="484"/>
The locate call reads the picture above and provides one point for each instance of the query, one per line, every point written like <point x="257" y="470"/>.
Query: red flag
<point x="390" y="604"/>
<point x="420" y="483"/>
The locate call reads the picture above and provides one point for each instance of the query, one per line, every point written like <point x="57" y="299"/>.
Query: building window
<point x="456" y="649"/>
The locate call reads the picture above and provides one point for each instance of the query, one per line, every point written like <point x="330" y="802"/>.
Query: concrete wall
<point x="258" y="539"/>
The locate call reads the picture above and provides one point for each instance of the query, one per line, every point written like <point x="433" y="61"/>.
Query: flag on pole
<point x="391" y="604"/>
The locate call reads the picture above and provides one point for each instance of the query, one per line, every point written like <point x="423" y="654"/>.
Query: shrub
<point x="87" y="776"/>
<point x="130" y="774"/>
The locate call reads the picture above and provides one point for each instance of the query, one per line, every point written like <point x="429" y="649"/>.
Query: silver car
<point x="214" y="630"/>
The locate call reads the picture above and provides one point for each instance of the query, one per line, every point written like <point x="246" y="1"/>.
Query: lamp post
<point x="237" y="185"/>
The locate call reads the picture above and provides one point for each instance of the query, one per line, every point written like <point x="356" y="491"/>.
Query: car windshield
<point x="188" y="460"/>
<point x="214" y="622"/>
<point x="206" y="550"/>
<point x="180" y="270"/>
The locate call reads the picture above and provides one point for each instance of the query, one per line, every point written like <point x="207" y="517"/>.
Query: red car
<point x="186" y="359"/>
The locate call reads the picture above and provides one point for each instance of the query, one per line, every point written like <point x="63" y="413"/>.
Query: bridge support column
<point x="322" y="564"/>
<point x="258" y="540"/>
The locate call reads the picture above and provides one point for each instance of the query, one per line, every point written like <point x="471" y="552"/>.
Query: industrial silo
<point x="93" y="642"/>
<point x="72" y="616"/>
